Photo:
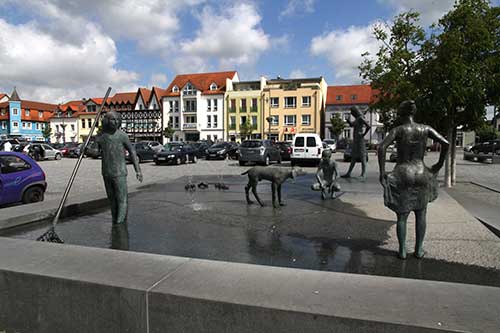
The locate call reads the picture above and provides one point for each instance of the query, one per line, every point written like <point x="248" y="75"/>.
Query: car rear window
<point x="251" y="144"/>
<point x="311" y="141"/>
<point x="11" y="163"/>
<point x="299" y="142"/>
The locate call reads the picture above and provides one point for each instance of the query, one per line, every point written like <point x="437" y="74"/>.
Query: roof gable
<point x="342" y="95"/>
<point x="201" y="81"/>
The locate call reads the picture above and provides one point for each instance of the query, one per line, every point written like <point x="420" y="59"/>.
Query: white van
<point x="306" y="147"/>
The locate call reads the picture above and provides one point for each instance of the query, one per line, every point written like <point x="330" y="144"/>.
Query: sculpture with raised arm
<point x="411" y="185"/>
<point x="113" y="142"/>
<point x="358" y="151"/>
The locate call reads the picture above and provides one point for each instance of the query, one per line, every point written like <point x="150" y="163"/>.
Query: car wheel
<point x="157" y="163"/>
<point x="33" y="194"/>
<point x="242" y="163"/>
<point x="279" y="160"/>
<point x="178" y="160"/>
<point x="58" y="156"/>
<point x="195" y="159"/>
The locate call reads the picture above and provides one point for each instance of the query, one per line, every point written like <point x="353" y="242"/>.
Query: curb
<point x="486" y="187"/>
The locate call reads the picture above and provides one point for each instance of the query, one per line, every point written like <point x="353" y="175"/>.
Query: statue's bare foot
<point x="347" y="175"/>
<point x="402" y="255"/>
<point x="282" y="204"/>
<point x="419" y="254"/>
<point x="323" y="196"/>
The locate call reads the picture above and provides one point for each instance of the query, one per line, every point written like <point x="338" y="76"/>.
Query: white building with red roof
<point x="64" y="122"/>
<point x="194" y="105"/>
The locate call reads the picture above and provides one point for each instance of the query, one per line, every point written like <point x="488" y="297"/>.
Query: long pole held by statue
<point x="50" y="235"/>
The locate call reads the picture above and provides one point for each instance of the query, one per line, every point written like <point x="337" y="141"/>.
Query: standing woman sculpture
<point x="411" y="185"/>
<point x="358" y="151"/>
<point x="113" y="142"/>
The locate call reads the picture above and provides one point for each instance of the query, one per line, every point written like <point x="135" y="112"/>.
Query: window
<point x="347" y="133"/>
<point x="175" y="89"/>
<point x="72" y="127"/>
<point x="311" y="141"/>
<point x="243" y="105"/>
<point x="254" y="121"/>
<point x="209" y="104"/>
<point x="243" y="120"/>
<point x="189" y="89"/>
<point x="209" y="121"/>
<point x="38" y="126"/>
<point x="23" y="124"/>
<point x="213" y="86"/>
<point x="4" y="125"/>
<point x="27" y="112"/>
<point x="291" y="120"/>
<point x="275" y="102"/>
<point x="176" y="106"/>
<point x="89" y="122"/>
<point x="275" y="120"/>
<point x="215" y="121"/>
<point x="254" y="104"/>
<point x="290" y="102"/>
<point x="232" y="121"/>
<point x="189" y="106"/>
<point x="83" y="123"/>
<point x="299" y="142"/>
<point x="191" y="119"/>
<point x="232" y="104"/>
<point x="346" y="116"/>
<point x="289" y="137"/>
<point x="57" y="128"/>
<point x="306" y="119"/>
<point x="15" y="124"/>
<point x="338" y="97"/>
<point x="215" y="105"/>
<point x="306" y="100"/>
<point x="176" y="123"/>
<point x="354" y="97"/>
<point x="70" y="113"/>
<point x="40" y="114"/>
<point x="14" y="112"/>
<point x="171" y="106"/>
<point x="11" y="164"/>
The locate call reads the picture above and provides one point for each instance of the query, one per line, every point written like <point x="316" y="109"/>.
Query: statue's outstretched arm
<point x="382" y="151"/>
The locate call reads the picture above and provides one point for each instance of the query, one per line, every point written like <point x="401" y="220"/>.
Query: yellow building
<point x="86" y="117"/>
<point x="243" y="105"/>
<point x="292" y="106"/>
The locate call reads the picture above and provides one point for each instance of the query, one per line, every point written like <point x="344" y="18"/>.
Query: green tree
<point x="486" y="132"/>
<point x="458" y="70"/>
<point x="246" y="130"/>
<point x="394" y="70"/>
<point x="168" y="132"/>
<point x="47" y="131"/>
<point x="338" y="125"/>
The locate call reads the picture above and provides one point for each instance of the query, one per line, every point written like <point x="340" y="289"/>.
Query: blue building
<point x="24" y="119"/>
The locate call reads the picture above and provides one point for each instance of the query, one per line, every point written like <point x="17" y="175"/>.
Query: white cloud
<point x="46" y="69"/>
<point x="297" y="74"/>
<point x="430" y="10"/>
<point x="233" y="36"/>
<point x="297" y="7"/>
<point x="343" y="49"/>
<point x="158" y="80"/>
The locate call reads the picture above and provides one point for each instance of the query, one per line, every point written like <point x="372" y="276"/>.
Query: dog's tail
<point x="244" y="173"/>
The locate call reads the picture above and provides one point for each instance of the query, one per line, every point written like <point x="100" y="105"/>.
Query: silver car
<point x="260" y="151"/>
<point x="45" y="151"/>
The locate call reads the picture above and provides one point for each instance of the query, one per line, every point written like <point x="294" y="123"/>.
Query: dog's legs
<point x="254" y="191"/>
<point x="279" y="196"/>
<point x="247" y="194"/>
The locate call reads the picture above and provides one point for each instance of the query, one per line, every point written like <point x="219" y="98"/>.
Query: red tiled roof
<point x="363" y="92"/>
<point x="201" y="81"/>
<point x="34" y="107"/>
<point x="122" y="98"/>
<point x="159" y="93"/>
<point x="145" y="93"/>
<point x="96" y="100"/>
<point x="3" y="95"/>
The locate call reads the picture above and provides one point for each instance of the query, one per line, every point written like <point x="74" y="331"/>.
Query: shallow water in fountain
<point x="308" y="233"/>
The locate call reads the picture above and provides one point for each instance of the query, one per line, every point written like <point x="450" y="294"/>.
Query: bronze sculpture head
<point x="111" y="122"/>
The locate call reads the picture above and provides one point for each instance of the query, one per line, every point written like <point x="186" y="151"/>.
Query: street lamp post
<point x="269" y="120"/>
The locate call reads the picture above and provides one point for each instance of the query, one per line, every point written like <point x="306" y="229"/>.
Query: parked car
<point x="143" y="150"/>
<point x="93" y="150"/>
<point x="221" y="151"/>
<point x="155" y="145"/>
<point x="347" y="153"/>
<point x="331" y="144"/>
<point x="42" y="151"/>
<point x="176" y="154"/>
<point x="21" y="179"/>
<point x="74" y="151"/>
<point x="65" y="148"/>
<point x="13" y="142"/>
<point x="393" y="153"/>
<point x="285" y="149"/>
<point x="259" y="151"/>
<point x="306" y="147"/>
<point x="201" y="148"/>
<point x="487" y="147"/>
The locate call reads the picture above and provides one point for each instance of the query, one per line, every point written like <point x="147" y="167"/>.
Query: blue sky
<point x="56" y="50"/>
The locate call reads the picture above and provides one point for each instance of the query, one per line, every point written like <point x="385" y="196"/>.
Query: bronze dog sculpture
<point x="276" y="176"/>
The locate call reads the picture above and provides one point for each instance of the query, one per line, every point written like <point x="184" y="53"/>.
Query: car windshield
<point x="251" y="144"/>
<point x="219" y="145"/>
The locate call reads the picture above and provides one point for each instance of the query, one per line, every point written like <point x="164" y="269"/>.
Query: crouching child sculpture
<point x="326" y="176"/>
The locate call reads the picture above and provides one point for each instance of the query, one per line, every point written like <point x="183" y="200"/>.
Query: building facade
<point x="145" y="121"/>
<point x="243" y="105"/>
<point x="292" y="106"/>
<point x="24" y="119"/>
<point x="339" y="101"/>
<point x="193" y="105"/>
<point x="64" y="122"/>
<point x="86" y="117"/>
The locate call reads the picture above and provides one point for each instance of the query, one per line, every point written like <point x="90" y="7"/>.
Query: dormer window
<point x="189" y="89"/>
<point x="213" y="86"/>
<point x="40" y="114"/>
<point x="27" y="112"/>
<point x="69" y="113"/>
<point x="175" y="89"/>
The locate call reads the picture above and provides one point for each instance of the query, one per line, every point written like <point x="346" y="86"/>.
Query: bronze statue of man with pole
<point x="411" y="185"/>
<point x="358" y="148"/>
<point x="113" y="142"/>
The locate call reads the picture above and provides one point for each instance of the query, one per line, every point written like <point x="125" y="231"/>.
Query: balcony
<point x="189" y="111"/>
<point x="189" y="126"/>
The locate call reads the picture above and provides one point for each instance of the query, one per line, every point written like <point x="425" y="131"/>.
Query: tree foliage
<point x="168" y="132"/>
<point x="486" y="132"/>
<point x="47" y="131"/>
<point x="246" y="129"/>
<point x="337" y="125"/>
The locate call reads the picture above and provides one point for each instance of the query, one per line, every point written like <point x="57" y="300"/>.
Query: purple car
<point x="21" y="179"/>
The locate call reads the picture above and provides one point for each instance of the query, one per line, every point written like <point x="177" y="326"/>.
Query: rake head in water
<point x="50" y="236"/>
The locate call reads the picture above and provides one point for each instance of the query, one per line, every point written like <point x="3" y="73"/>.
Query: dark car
<point x="200" y="148"/>
<point x="347" y="153"/>
<point x="259" y="151"/>
<point x="285" y="149"/>
<point x="176" y="154"/>
<point x="66" y="147"/>
<point x="221" y="151"/>
<point x="143" y="150"/>
<point x="21" y="179"/>
<point x="487" y="147"/>
<point x="74" y="151"/>
<point x="93" y="150"/>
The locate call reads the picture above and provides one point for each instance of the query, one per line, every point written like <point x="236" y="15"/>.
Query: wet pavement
<point x="354" y="233"/>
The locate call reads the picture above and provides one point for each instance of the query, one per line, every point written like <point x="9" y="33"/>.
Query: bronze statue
<point x="358" y="148"/>
<point x="113" y="142"/>
<point x="276" y="176"/>
<point x="411" y="185"/>
<point x="326" y="175"/>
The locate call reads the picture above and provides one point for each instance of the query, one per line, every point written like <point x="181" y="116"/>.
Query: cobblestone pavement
<point x="89" y="178"/>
